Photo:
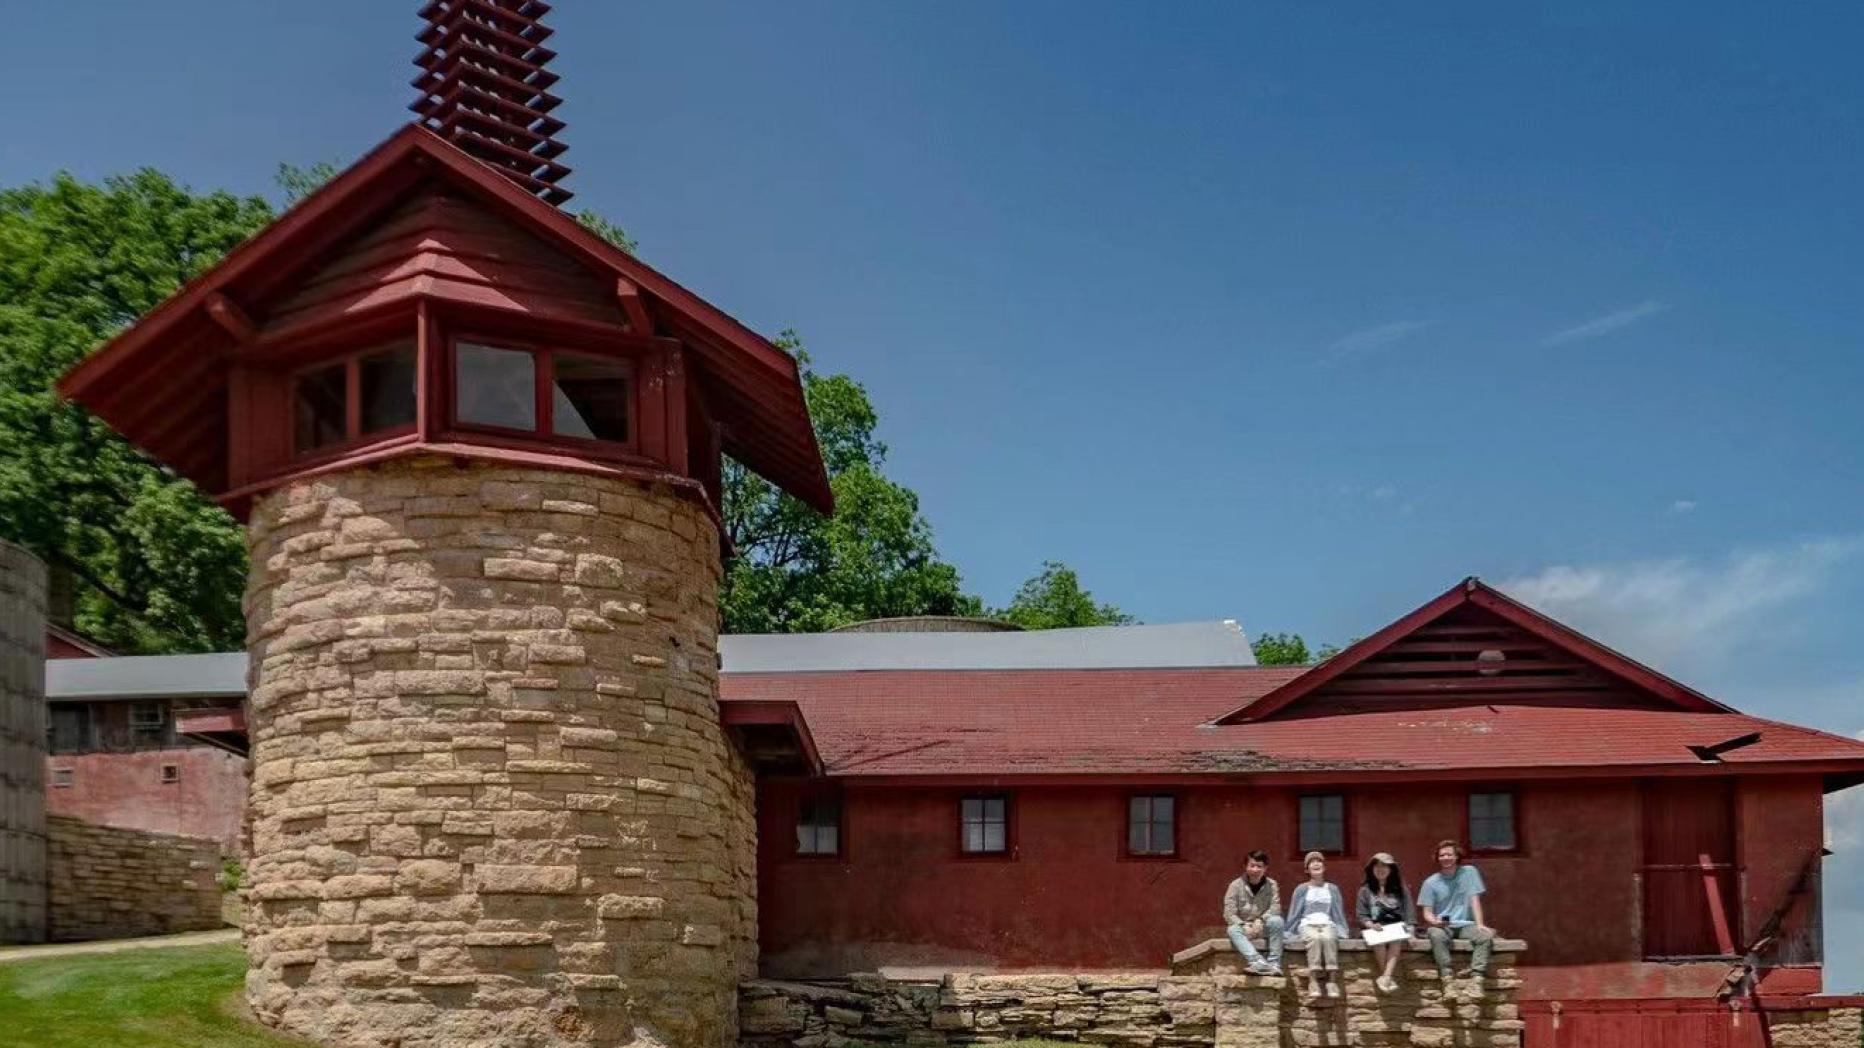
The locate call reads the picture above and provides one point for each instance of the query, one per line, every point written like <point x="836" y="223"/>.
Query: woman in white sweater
<point x="1317" y="919"/>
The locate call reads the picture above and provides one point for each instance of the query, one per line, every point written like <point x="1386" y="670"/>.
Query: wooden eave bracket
<point x="636" y="309"/>
<point x="231" y="317"/>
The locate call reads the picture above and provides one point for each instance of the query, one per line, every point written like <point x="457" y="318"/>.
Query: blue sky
<point x="1293" y="315"/>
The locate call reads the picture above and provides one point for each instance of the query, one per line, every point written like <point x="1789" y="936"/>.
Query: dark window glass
<point x="1491" y="821"/>
<point x="70" y="729"/>
<point x="1151" y="826"/>
<point x="591" y="397"/>
<point x="148" y="724"/>
<point x="495" y="387"/>
<point x="320" y="410"/>
<point x="818" y="827"/>
<point x="171" y="773"/>
<point x="386" y="382"/>
<point x="1323" y="823"/>
<point x="985" y="822"/>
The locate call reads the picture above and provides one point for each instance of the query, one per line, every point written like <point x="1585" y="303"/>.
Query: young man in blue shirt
<point x="1451" y="905"/>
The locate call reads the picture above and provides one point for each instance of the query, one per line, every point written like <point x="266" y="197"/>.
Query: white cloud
<point x="1604" y="325"/>
<point x="1367" y="339"/>
<point x="1683" y="506"/>
<point x="1662" y="610"/>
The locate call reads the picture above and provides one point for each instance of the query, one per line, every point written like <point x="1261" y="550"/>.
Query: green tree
<point x="160" y="568"/>
<point x="1054" y="599"/>
<point x="1280" y="649"/>
<point x="295" y="183"/>
<point x="798" y="571"/>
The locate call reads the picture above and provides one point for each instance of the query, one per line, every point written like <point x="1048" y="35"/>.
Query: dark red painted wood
<point x="1691" y="901"/>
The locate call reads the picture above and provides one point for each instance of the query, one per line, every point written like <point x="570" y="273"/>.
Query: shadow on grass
<point x="187" y="997"/>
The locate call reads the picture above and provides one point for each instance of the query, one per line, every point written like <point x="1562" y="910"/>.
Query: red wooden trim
<point x="1126" y="852"/>
<point x="428" y="392"/>
<point x="230" y="316"/>
<point x="1592" y="651"/>
<point x="631" y="304"/>
<point x="1009" y="826"/>
<point x="352" y="398"/>
<point x="1474" y="591"/>
<point x="1337" y="777"/>
<point x="774" y="712"/>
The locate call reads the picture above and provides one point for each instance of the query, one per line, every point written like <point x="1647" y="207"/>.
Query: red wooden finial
<point x="483" y="86"/>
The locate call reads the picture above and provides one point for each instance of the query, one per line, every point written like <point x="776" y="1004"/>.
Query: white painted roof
<point x="1185" y="644"/>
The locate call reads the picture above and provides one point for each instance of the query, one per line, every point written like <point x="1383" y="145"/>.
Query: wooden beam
<point x="230" y="316"/>
<point x="632" y="304"/>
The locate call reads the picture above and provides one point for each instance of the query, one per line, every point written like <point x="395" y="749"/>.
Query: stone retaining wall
<point x="110" y="883"/>
<point x="22" y="746"/>
<point x="1213" y="1009"/>
<point x="1817" y="1027"/>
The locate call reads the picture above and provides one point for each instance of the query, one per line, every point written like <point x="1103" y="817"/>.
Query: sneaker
<point x="1263" y="968"/>
<point x="1313" y="995"/>
<point x="1386" y="984"/>
<point x="1333" y="990"/>
<point x="1467" y="972"/>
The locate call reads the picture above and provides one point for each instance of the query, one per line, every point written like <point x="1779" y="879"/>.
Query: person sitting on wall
<point x="1318" y="913"/>
<point x="1251" y="910"/>
<point x="1451" y="902"/>
<point x="1383" y="902"/>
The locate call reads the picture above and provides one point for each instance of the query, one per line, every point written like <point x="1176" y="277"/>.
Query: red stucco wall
<point x="126" y="790"/>
<point x="901" y="894"/>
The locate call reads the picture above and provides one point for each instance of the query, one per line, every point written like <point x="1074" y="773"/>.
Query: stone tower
<point x="478" y="450"/>
<point x="22" y="746"/>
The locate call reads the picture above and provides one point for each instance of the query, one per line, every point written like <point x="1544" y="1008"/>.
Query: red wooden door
<point x="1691" y="902"/>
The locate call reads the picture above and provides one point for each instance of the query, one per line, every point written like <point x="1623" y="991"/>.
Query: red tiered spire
<point x="484" y="88"/>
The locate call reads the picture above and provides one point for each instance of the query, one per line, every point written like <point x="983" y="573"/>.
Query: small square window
<point x="1152" y="825"/>
<point x="171" y="773"/>
<point x="1323" y="823"/>
<point x="319" y="409"/>
<point x="1492" y="822"/>
<point x="148" y="723"/>
<point x="61" y="777"/>
<point x="984" y="825"/>
<point x="495" y="387"/>
<point x="818" y="826"/>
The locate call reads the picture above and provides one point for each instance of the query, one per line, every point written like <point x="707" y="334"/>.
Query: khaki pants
<point x="1440" y="939"/>
<point x="1323" y="948"/>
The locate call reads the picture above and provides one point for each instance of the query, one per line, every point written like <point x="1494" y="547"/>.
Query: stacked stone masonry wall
<point x="22" y="746"/>
<point x="1212" y="1008"/>
<point x="492" y="802"/>
<point x="112" y="883"/>
<point x="1817" y="1027"/>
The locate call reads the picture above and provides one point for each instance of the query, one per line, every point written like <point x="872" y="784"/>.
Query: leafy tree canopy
<point x="1054" y="599"/>
<point x="162" y="568"/>
<point x="1289" y="649"/>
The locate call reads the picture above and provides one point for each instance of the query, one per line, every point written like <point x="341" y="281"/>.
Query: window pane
<point x="973" y="810"/>
<point x="1138" y="837"/>
<point x="1491" y="820"/>
<point x="828" y="840"/>
<point x="1323" y="823"/>
<point x="983" y="824"/>
<point x="1162" y="839"/>
<point x="1139" y="810"/>
<point x="974" y="836"/>
<point x="387" y="383"/>
<point x="993" y="837"/>
<point x="319" y="413"/>
<point x="591" y="397"/>
<point x="496" y="387"/>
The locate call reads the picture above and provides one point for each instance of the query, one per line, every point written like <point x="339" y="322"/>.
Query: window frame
<point x="1346" y="822"/>
<point x="1177" y="824"/>
<point x="543" y="383"/>
<point x="63" y="778"/>
<point x="353" y="436"/>
<point x="144" y="731"/>
<point x="1008" y="850"/>
<point x="814" y="796"/>
<point x="1514" y="809"/>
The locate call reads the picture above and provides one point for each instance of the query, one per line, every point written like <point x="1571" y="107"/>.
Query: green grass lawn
<point x="185" y="997"/>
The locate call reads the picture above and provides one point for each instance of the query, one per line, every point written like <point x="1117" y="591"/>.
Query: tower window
<point x="553" y="392"/>
<point x="363" y="395"/>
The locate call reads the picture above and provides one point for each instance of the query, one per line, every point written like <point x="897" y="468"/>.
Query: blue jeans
<point x="1271" y="928"/>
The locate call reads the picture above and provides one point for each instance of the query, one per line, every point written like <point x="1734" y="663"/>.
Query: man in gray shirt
<point x="1252" y="909"/>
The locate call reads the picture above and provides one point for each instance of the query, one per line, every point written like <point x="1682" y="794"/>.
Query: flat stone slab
<point x="1219" y="947"/>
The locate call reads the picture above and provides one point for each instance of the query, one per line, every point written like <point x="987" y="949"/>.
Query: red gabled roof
<point x="162" y="381"/>
<point x="970" y="724"/>
<point x="1474" y="601"/>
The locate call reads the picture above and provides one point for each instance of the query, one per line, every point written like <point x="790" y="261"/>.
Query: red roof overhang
<point x="1475" y="592"/>
<point x="774" y="718"/>
<point x="158" y="382"/>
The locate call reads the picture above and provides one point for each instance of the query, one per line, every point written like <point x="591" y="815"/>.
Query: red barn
<point x="1638" y="834"/>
